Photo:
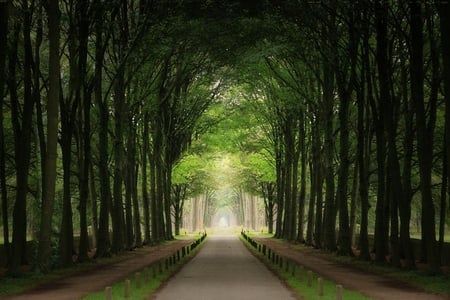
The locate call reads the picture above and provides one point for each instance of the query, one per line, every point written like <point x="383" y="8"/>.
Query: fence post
<point x="320" y="286"/>
<point x="138" y="280"/>
<point x="338" y="292"/>
<point x="127" y="292"/>
<point x="310" y="277"/>
<point x="108" y="295"/>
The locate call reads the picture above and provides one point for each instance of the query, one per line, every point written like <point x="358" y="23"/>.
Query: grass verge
<point x="304" y="283"/>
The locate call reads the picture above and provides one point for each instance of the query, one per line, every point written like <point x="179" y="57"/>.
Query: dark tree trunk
<point x="85" y="93"/>
<point x="103" y="239"/>
<point x="45" y="234"/>
<point x="288" y="182"/>
<point x="381" y="224"/>
<point x="4" y="18"/>
<point x="303" y="166"/>
<point x="406" y="198"/>
<point x="93" y="196"/>
<point x="129" y="170"/>
<point x="144" y="187"/>
<point x="444" y="14"/>
<point x="22" y="142"/>
<point x="329" y="214"/>
<point x="69" y="107"/>
<point x="364" y="92"/>
<point x="117" y="213"/>
<point x="424" y="134"/>
<point x="279" y="184"/>
<point x="134" y="195"/>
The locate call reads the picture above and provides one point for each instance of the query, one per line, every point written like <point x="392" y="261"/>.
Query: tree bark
<point x="424" y="134"/>
<point x="444" y="13"/>
<point x="144" y="187"/>
<point x="381" y="227"/>
<point x="4" y="20"/>
<point x="103" y="240"/>
<point x="303" y="166"/>
<point x="329" y="214"/>
<point x="22" y="141"/>
<point x="45" y="234"/>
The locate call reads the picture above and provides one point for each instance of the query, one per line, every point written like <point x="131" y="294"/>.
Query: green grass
<point x="149" y="284"/>
<point x="298" y="280"/>
<point x="150" y="278"/>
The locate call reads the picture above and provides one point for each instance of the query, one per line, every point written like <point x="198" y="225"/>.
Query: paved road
<point x="224" y="269"/>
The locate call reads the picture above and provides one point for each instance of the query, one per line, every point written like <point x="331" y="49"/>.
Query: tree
<point x="45" y="248"/>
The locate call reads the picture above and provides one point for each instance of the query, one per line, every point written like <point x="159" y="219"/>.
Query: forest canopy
<point x="333" y="120"/>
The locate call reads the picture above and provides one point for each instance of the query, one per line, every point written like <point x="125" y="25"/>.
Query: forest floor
<point x="349" y="275"/>
<point x="80" y="285"/>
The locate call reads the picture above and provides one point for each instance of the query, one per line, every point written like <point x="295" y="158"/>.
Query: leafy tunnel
<point x="124" y="123"/>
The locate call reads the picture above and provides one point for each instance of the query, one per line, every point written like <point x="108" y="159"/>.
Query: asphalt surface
<point x="224" y="269"/>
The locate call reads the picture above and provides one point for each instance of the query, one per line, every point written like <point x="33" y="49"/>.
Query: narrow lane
<point x="224" y="269"/>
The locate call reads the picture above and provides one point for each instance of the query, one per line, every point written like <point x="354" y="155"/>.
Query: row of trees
<point x="121" y="92"/>
<point x="356" y="106"/>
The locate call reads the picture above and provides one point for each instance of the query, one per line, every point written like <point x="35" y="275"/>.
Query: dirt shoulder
<point x="78" y="286"/>
<point x="352" y="278"/>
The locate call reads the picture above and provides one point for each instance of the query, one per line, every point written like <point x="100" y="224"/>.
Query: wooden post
<point x="160" y="267"/>
<point x="138" y="280"/>
<point x="286" y="266"/>
<point x="127" y="292"/>
<point x="108" y="293"/>
<point x="320" y="286"/>
<point x="294" y="266"/>
<point x="310" y="277"/>
<point x="339" y="292"/>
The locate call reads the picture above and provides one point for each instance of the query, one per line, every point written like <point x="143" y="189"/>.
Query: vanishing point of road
<point x="224" y="269"/>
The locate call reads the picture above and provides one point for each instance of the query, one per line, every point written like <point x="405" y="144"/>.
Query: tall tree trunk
<point x="279" y="183"/>
<point x="144" y="187"/>
<point x="4" y="19"/>
<point x="424" y="134"/>
<point x="134" y="195"/>
<point x="408" y="149"/>
<point x="303" y="166"/>
<point x="45" y="234"/>
<point x="363" y="156"/>
<point x="381" y="227"/>
<point x="94" y="207"/>
<point x="22" y="142"/>
<point x="129" y="170"/>
<point x="288" y="182"/>
<point x="69" y="109"/>
<point x="354" y="203"/>
<point x="168" y="201"/>
<point x="85" y="93"/>
<point x="344" y="241"/>
<point x="329" y="214"/>
<point x="118" y="217"/>
<point x="103" y="241"/>
<point x="444" y="14"/>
